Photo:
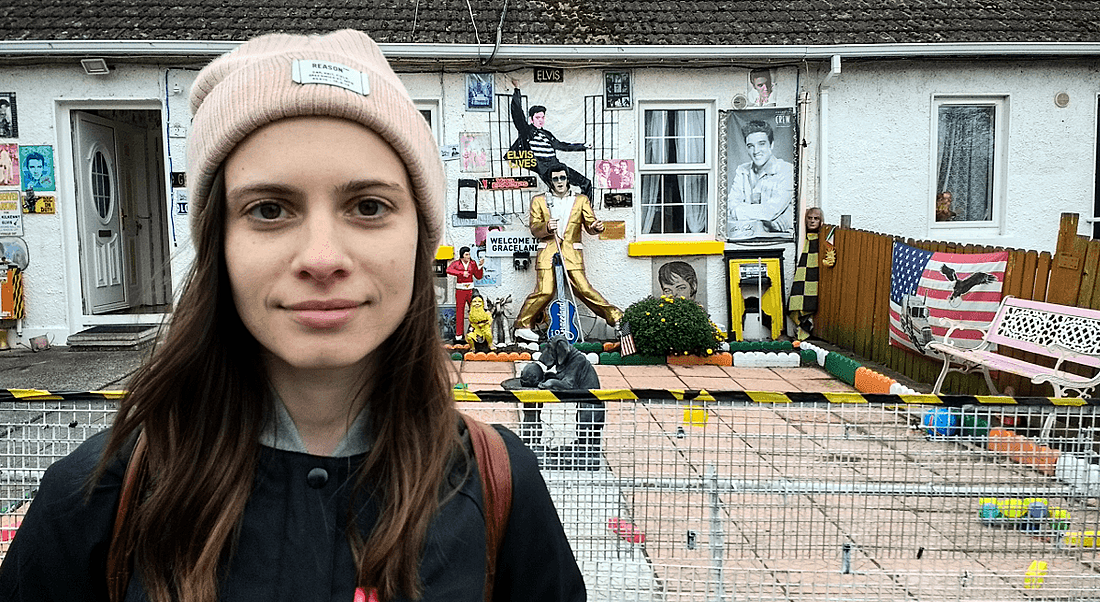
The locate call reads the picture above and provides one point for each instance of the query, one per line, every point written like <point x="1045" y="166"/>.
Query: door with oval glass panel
<point x="99" y="209"/>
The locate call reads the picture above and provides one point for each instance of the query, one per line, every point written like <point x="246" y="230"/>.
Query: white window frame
<point x="432" y="106"/>
<point x="1000" y="104"/>
<point x="708" y="167"/>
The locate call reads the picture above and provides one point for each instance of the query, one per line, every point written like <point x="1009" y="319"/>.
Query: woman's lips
<point x="323" y="315"/>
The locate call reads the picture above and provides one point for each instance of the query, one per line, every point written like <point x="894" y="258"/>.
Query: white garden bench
<point x="1067" y="334"/>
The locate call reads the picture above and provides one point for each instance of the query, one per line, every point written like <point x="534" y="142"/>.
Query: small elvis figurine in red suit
<point x="465" y="271"/>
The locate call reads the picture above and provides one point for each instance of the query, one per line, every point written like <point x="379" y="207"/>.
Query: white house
<point x="875" y="110"/>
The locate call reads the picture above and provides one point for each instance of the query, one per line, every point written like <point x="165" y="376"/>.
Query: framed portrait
<point x="474" y="149"/>
<point x="36" y="163"/>
<point x="617" y="90"/>
<point x="447" y="318"/>
<point x="9" y="165"/>
<point x="9" y="118"/>
<point x="681" y="277"/>
<point x="467" y="199"/>
<point x="762" y="88"/>
<point x="479" y="91"/>
<point x="615" y="174"/>
<point x="757" y="167"/>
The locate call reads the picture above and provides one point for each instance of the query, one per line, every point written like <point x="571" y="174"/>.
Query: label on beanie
<point x="325" y="73"/>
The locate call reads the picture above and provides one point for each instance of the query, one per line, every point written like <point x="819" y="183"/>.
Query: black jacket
<point x="292" y="545"/>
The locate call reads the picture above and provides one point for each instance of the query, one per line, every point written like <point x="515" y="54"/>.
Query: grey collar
<point x="282" y="434"/>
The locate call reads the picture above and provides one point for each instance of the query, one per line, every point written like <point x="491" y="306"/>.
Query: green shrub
<point x="664" y="326"/>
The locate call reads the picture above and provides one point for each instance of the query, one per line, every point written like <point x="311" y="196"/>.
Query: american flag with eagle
<point x="925" y="285"/>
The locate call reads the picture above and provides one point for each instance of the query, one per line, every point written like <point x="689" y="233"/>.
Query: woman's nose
<point x="323" y="255"/>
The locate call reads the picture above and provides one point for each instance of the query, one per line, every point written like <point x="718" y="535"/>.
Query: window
<point x="430" y="110"/>
<point x="675" y="171"/>
<point x="101" y="185"/>
<point x="968" y="170"/>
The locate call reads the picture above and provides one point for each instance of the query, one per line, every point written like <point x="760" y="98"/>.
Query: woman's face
<point x="320" y="241"/>
<point x="677" y="287"/>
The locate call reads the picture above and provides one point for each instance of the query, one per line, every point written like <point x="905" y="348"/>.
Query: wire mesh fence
<point x="822" y="501"/>
<point x="800" y="501"/>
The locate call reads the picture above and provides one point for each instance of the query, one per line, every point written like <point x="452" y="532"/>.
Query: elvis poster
<point x="759" y="156"/>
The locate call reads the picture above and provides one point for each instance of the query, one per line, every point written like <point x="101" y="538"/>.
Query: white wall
<point x="44" y="96"/>
<point x="879" y="156"/>
<point x="881" y="146"/>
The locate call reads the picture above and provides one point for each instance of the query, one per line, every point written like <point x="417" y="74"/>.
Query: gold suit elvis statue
<point x="563" y="214"/>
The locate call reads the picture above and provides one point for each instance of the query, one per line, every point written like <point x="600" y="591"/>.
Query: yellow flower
<point x="710" y="351"/>
<point x="662" y="319"/>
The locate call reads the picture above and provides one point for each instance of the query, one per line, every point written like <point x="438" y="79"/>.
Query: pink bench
<point x="1067" y="334"/>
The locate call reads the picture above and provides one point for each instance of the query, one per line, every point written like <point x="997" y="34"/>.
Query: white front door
<point x="99" y="209"/>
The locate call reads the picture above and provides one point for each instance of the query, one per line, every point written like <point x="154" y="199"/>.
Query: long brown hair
<point x="202" y="397"/>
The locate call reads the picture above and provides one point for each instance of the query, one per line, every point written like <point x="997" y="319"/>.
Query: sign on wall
<point x="548" y="75"/>
<point x="37" y="203"/>
<point x="11" y="214"/>
<point x="507" y="183"/>
<point x="504" y="244"/>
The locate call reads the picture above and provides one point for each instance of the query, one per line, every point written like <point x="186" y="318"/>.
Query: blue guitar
<point x="563" y="310"/>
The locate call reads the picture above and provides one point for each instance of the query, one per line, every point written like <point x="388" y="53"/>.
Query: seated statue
<point x="571" y="370"/>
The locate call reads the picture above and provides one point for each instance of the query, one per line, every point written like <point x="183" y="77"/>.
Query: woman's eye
<point x="267" y="211"/>
<point x="369" y="207"/>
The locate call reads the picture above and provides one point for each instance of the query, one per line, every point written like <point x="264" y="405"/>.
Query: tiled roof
<point x="573" y="22"/>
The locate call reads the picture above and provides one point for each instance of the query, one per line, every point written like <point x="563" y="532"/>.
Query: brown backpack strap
<point x="495" y="470"/>
<point x="118" y="565"/>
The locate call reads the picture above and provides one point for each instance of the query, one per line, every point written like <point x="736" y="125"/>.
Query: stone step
<point x="113" y="336"/>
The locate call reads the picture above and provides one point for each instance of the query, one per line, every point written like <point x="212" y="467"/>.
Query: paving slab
<point x="761" y="384"/>
<point x="737" y="372"/>
<point x="710" y="383"/>
<point x="714" y="371"/>
<point x="655" y="382"/>
<point x="650" y="371"/>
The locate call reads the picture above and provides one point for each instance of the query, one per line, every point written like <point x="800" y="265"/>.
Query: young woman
<point x="302" y="439"/>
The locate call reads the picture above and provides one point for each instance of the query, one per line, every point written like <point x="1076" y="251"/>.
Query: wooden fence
<point x="854" y="303"/>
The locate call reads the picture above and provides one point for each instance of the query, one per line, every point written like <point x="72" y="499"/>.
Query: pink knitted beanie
<point x="341" y="74"/>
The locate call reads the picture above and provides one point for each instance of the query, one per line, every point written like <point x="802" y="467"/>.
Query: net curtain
<point x="674" y="137"/>
<point x="966" y="160"/>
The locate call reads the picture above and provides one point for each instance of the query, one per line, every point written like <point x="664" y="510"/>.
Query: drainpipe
<point x="823" y="135"/>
